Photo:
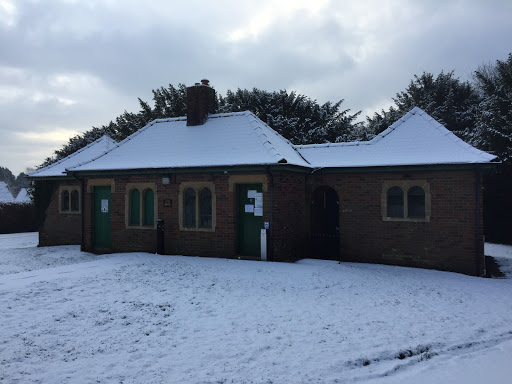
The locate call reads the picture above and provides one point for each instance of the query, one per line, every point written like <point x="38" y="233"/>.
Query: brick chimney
<point x="200" y="102"/>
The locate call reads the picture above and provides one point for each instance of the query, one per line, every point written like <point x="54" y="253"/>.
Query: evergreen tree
<point x="295" y="116"/>
<point x="447" y="99"/>
<point x="494" y="116"/>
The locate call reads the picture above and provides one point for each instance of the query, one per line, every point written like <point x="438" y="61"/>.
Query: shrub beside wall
<point x="15" y="217"/>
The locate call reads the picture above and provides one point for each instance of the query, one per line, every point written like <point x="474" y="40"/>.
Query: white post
<point x="263" y="243"/>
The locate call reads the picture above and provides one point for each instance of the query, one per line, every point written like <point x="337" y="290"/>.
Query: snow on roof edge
<point x="34" y="174"/>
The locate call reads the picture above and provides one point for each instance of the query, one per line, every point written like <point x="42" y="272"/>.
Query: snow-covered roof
<point x="91" y="151"/>
<point x="415" y="139"/>
<point x="225" y="139"/>
<point x="5" y="193"/>
<point x="23" y="196"/>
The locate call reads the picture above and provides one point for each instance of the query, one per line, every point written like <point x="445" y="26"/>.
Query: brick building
<point x="411" y="196"/>
<point x="63" y="216"/>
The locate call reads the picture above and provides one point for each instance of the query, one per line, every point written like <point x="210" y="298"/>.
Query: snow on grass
<point x="19" y="253"/>
<point x="142" y="318"/>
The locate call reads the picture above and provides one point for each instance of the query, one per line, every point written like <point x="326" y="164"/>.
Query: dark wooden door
<point x="249" y="223"/>
<point x="325" y="231"/>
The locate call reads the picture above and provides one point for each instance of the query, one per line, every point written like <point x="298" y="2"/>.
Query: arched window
<point x="75" y="201"/>
<point x="135" y="207"/>
<point x="149" y="207"/>
<point x="416" y="202"/>
<point x="205" y="208"/>
<point x="395" y="202"/>
<point x="65" y="201"/>
<point x="189" y="205"/>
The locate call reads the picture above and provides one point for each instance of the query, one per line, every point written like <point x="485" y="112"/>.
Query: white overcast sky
<point x="68" y="65"/>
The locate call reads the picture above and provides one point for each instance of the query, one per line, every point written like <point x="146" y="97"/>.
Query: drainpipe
<point x="82" y="198"/>
<point x="271" y="229"/>
<point x="479" y="261"/>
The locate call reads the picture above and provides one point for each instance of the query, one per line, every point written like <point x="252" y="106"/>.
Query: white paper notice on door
<point x="258" y="211"/>
<point x="104" y="205"/>
<point x="251" y="193"/>
<point x="249" y="208"/>
<point x="258" y="201"/>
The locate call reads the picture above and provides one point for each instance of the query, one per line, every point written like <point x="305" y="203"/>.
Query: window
<point x="65" y="201"/>
<point x="205" y="208"/>
<point x="149" y="207"/>
<point x="69" y="199"/>
<point x="406" y="201"/>
<point x="135" y="207"/>
<point x="197" y="206"/>
<point x="395" y="202"/>
<point x="416" y="202"/>
<point x="140" y="205"/>
<point x="190" y="208"/>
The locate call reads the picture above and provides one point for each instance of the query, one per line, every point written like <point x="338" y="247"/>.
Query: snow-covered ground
<point x="72" y="317"/>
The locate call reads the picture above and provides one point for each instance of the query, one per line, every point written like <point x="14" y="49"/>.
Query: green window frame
<point x="141" y="207"/>
<point x="134" y="207"/>
<point x="149" y="207"/>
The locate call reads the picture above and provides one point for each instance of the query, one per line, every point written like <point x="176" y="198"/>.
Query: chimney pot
<point x="205" y="81"/>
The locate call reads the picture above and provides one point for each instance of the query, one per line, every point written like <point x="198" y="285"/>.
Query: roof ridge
<point x="396" y="124"/>
<point x="449" y="134"/>
<point x="257" y="125"/>
<point x="340" y="144"/>
<point x="446" y="132"/>
<point x="52" y="165"/>
<point x="278" y="136"/>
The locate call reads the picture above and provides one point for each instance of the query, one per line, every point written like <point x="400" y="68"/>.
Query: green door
<point x="250" y="219"/>
<point x="102" y="217"/>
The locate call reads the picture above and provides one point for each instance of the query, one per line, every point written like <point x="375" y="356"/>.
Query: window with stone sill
<point x="140" y="206"/>
<point x="406" y="200"/>
<point x="69" y="200"/>
<point x="197" y="206"/>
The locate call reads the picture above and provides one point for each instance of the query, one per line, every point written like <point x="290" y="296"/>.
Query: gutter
<point x="480" y="261"/>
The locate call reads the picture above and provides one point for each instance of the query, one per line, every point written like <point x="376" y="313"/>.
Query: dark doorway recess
<point x="325" y="230"/>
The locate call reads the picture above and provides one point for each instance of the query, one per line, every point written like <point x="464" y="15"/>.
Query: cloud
<point x="68" y="65"/>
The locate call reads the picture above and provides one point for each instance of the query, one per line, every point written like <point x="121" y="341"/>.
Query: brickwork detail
<point x="447" y="242"/>
<point x="61" y="228"/>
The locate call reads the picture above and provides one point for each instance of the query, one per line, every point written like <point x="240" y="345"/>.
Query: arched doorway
<point x="325" y="231"/>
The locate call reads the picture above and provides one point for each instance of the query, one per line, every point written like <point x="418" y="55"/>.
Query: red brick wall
<point x="447" y="242"/>
<point x="61" y="228"/>
<point x="290" y="217"/>
<point x="221" y="243"/>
